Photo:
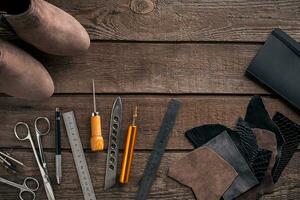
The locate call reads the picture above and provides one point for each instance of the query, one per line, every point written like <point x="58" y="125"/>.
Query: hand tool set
<point x="243" y="163"/>
<point x="40" y="159"/>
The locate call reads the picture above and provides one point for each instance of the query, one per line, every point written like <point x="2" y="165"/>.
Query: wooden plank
<point x="196" y="110"/>
<point x="156" y="68"/>
<point x="177" y="20"/>
<point x="163" y="188"/>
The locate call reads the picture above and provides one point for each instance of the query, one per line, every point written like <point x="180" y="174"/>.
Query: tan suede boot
<point x="46" y="27"/>
<point x="21" y="75"/>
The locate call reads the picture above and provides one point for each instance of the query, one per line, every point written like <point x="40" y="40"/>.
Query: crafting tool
<point x="113" y="145"/>
<point x="6" y="155"/>
<point x="39" y="134"/>
<point x="46" y="179"/>
<point x="158" y="149"/>
<point x="78" y="155"/>
<point x="97" y="142"/>
<point x="9" y="165"/>
<point x="128" y="150"/>
<point x="58" y="146"/>
<point x="26" y="187"/>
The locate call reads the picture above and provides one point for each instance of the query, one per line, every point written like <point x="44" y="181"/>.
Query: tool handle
<point x="57" y="132"/>
<point x="128" y="154"/>
<point x="97" y="142"/>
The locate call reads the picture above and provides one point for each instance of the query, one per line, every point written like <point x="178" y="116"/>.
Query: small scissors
<point x="25" y="188"/>
<point x="39" y="133"/>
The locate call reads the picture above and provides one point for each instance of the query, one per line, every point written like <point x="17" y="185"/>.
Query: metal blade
<point x="48" y="188"/>
<point x="113" y="145"/>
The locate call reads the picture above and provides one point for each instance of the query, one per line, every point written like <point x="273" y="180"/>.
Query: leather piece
<point x="198" y="136"/>
<point x="249" y="146"/>
<point x="291" y="134"/>
<point x="257" y="158"/>
<point x="23" y="76"/>
<point x="50" y="29"/>
<point x="276" y="65"/>
<point x="226" y="148"/>
<point x="243" y="138"/>
<point x="258" y="117"/>
<point x="265" y="140"/>
<point x="205" y="172"/>
<point x="260" y="164"/>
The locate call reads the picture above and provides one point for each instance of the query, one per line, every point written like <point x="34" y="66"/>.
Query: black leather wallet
<point x="277" y="65"/>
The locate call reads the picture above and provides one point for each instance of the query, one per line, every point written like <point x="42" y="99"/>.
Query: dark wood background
<point x="193" y="50"/>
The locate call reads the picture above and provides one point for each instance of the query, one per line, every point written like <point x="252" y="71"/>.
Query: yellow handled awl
<point x="128" y="150"/>
<point x="97" y="142"/>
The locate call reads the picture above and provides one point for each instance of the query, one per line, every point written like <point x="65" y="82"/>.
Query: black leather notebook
<point x="277" y="65"/>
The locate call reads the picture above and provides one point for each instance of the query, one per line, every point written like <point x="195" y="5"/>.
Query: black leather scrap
<point x="226" y="148"/>
<point x="258" y="117"/>
<point x="291" y="133"/>
<point x="258" y="159"/>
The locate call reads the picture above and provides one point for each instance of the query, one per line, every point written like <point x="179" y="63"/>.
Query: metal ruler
<point x="158" y="149"/>
<point x="78" y="155"/>
<point x="113" y="144"/>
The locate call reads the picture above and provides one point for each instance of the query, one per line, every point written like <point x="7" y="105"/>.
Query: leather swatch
<point x="266" y="140"/>
<point x="257" y="158"/>
<point x="291" y="134"/>
<point x="226" y="148"/>
<point x="205" y="172"/>
<point x="258" y="117"/>
<point x="200" y="135"/>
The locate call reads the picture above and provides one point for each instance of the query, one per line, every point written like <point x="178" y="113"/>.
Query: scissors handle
<point x="25" y="137"/>
<point x="28" y="188"/>
<point x="24" y="192"/>
<point x="36" y="126"/>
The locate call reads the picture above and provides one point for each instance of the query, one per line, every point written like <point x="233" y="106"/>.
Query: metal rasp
<point x="158" y="149"/>
<point x="113" y="144"/>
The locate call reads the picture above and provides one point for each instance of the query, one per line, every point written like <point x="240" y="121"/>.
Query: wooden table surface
<point x="193" y="50"/>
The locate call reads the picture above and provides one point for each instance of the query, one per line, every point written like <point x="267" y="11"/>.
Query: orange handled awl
<point x="129" y="150"/>
<point x="97" y="142"/>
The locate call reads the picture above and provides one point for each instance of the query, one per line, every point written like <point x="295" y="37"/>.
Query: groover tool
<point x="158" y="149"/>
<point x="78" y="155"/>
<point x="113" y="145"/>
<point x="128" y="150"/>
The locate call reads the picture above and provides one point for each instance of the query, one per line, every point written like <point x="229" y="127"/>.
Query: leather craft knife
<point x="113" y="148"/>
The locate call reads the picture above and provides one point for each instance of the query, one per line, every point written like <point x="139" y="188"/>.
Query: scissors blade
<point x="48" y="188"/>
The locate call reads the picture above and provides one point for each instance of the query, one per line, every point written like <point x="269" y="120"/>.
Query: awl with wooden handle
<point x="128" y="150"/>
<point x="97" y="142"/>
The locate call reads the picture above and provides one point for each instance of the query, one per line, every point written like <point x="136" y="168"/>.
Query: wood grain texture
<point x="164" y="187"/>
<point x="196" y="110"/>
<point x="155" y="68"/>
<point x="183" y="20"/>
